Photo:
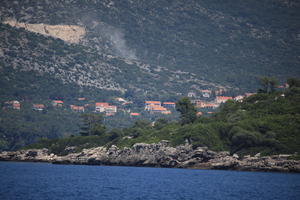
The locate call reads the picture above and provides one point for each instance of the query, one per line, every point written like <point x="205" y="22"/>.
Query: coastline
<point x="159" y="155"/>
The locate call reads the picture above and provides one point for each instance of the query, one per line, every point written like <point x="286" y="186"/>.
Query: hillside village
<point x="206" y="101"/>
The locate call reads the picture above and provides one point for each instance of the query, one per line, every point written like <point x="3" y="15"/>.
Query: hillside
<point x="138" y="50"/>
<point x="72" y="64"/>
<point x="263" y="123"/>
<point x="244" y="39"/>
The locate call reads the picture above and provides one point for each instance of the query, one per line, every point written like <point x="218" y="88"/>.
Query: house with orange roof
<point x="150" y="104"/>
<point x="16" y="105"/>
<point x="38" y="107"/>
<point x="110" y="110"/>
<point x="100" y="106"/>
<point x="77" y="108"/>
<point x="156" y="107"/>
<point x="135" y="114"/>
<point x="57" y="103"/>
<point x="105" y="107"/>
<point x="159" y="109"/>
<point x="169" y="105"/>
<point x="222" y="99"/>
<point x="167" y="112"/>
<point x="211" y="105"/>
<point x="198" y="103"/>
<point x="204" y="104"/>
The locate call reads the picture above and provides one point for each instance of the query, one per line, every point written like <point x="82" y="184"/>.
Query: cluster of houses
<point x="206" y="93"/>
<point x="104" y="107"/>
<point x="218" y="100"/>
<point x="152" y="107"/>
<point x="159" y="107"/>
<point x="12" y="104"/>
<point x="99" y="107"/>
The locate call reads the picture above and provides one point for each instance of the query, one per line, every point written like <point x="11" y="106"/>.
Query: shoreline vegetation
<point x="261" y="133"/>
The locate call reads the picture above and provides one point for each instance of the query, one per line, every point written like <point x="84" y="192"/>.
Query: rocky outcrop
<point x="68" y="33"/>
<point x="159" y="155"/>
<point x="32" y="155"/>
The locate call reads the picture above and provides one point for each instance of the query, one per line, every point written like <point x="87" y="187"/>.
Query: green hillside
<point x="140" y="50"/>
<point x="266" y="123"/>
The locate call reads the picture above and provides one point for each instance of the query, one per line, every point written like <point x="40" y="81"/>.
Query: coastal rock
<point x="33" y="155"/>
<point x="159" y="155"/>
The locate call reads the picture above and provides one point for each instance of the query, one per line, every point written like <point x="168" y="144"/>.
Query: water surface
<point x="48" y="181"/>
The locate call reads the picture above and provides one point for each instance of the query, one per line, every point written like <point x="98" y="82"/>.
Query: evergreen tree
<point x="293" y="82"/>
<point x="268" y="83"/>
<point x="187" y="110"/>
<point x="92" y="124"/>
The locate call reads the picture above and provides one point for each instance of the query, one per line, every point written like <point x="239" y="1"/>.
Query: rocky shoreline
<point x="159" y="155"/>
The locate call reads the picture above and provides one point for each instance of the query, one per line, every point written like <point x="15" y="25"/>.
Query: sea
<point x="25" y="180"/>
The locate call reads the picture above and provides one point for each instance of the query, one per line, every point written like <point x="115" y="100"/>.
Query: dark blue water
<point x="47" y="181"/>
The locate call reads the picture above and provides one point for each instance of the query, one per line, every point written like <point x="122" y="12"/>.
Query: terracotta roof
<point x="80" y="107"/>
<point x="135" y="114"/>
<point x="223" y="97"/>
<point x="38" y="105"/>
<point x="152" y="102"/>
<point x="101" y="104"/>
<point x="57" y="101"/>
<point x="158" y="108"/>
<point x="169" y="103"/>
<point x="73" y="107"/>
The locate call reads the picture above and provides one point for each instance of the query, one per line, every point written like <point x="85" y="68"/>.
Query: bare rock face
<point x="68" y="33"/>
<point x="159" y="155"/>
<point x="33" y="155"/>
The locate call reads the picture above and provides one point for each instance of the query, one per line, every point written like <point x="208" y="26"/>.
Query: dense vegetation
<point x="25" y="126"/>
<point x="268" y="122"/>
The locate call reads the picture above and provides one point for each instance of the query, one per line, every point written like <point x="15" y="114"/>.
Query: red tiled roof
<point x="57" y="101"/>
<point x="73" y="107"/>
<point x="152" y="102"/>
<point x="223" y="98"/>
<point x="38" y="105"/>
<point x="135" y="114"/>
<point x="169" y="103"/>
<point x="158" y="108"/>
<point x="102" y="104"/>
<point x="80" y="108"/>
